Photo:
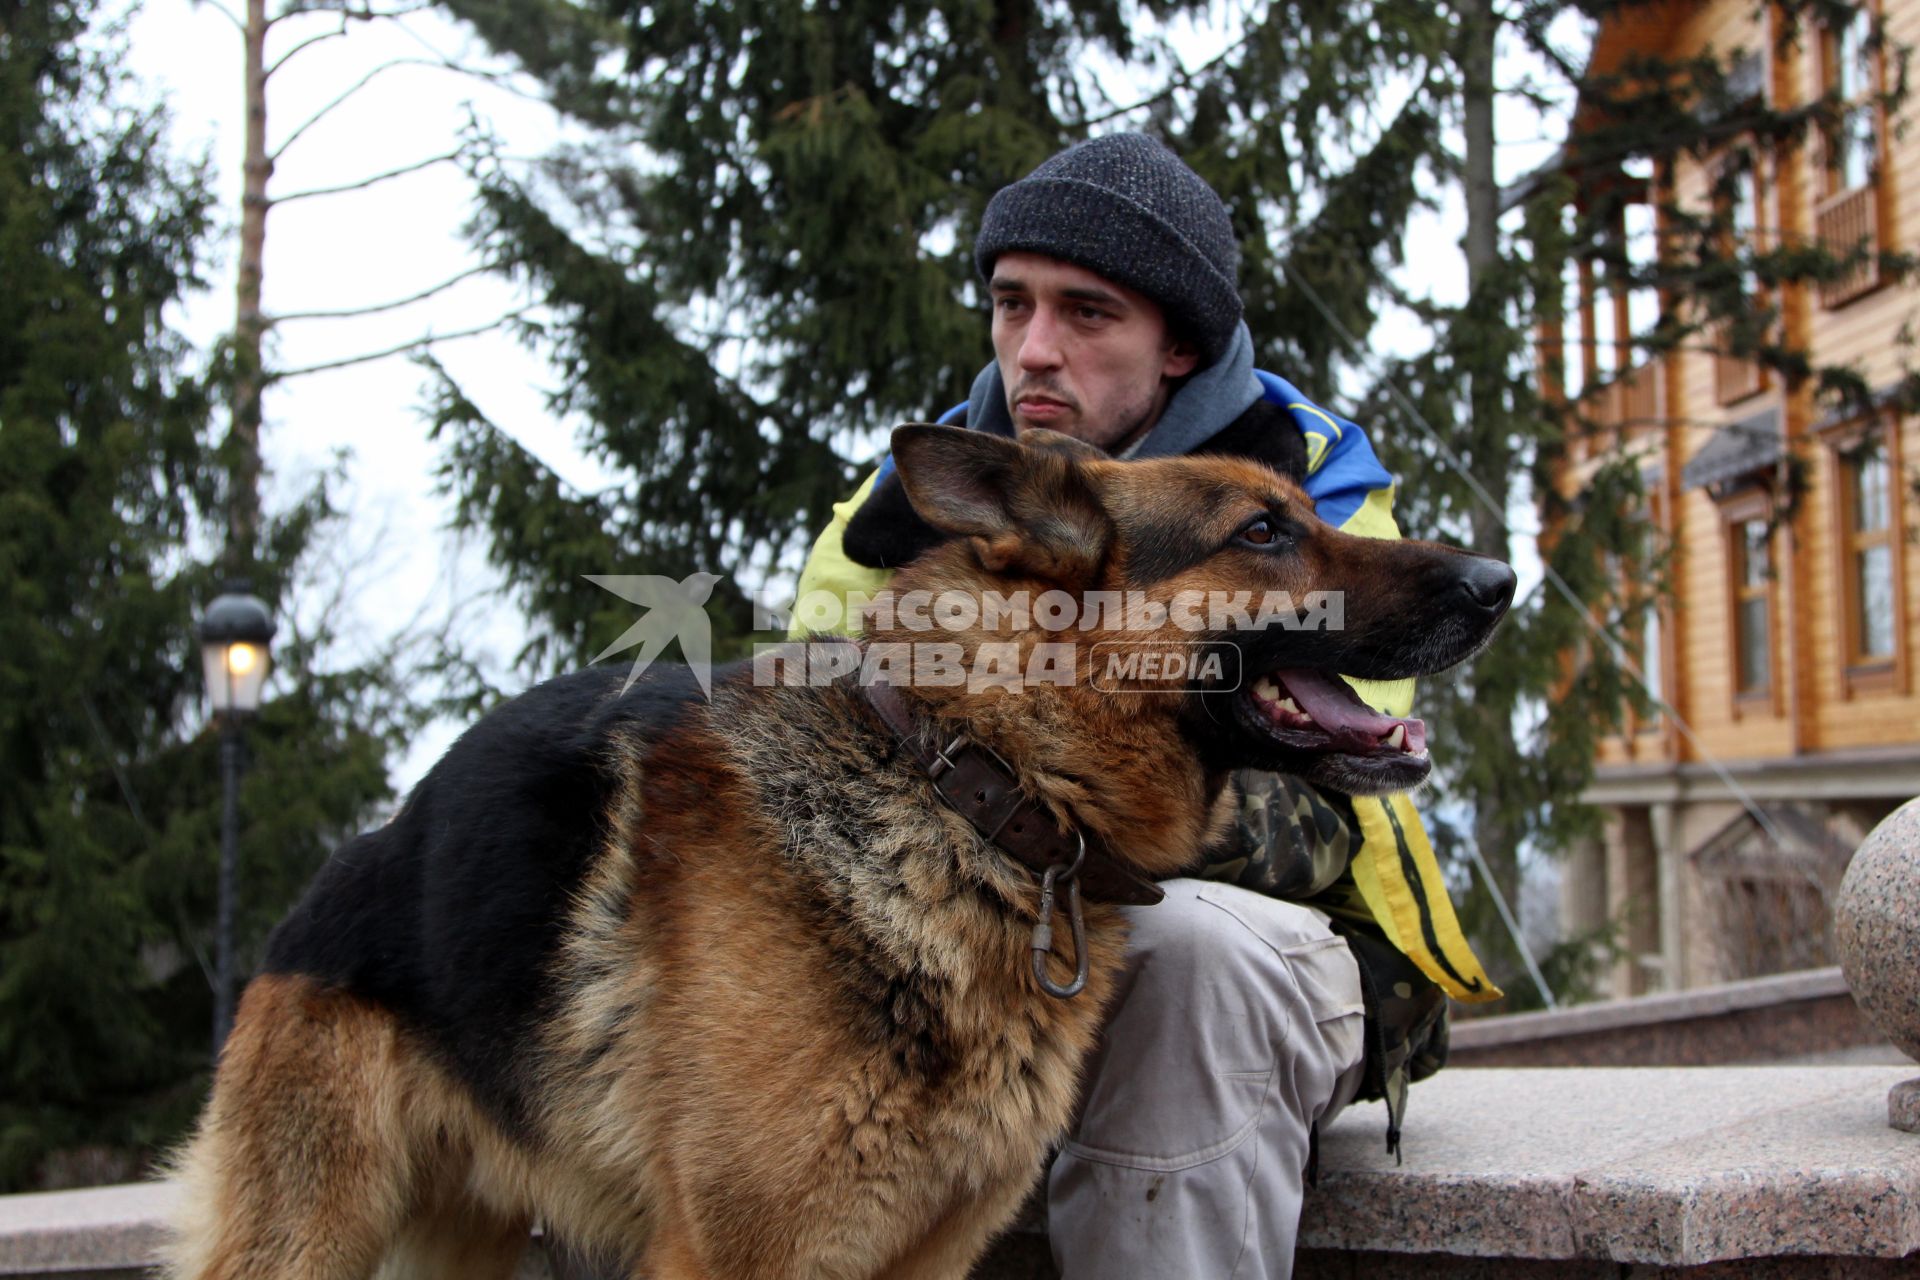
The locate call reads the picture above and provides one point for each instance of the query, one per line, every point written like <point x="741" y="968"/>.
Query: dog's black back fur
<point x="449" y="915"/>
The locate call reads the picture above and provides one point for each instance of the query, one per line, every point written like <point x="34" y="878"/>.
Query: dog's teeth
<point x="1288" y="704"/>
<point x="1265" y="689"/>
<point x="1398" y="738"/>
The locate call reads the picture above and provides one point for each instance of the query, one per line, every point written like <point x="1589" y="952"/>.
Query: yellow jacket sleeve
<point x="829" y="570"/>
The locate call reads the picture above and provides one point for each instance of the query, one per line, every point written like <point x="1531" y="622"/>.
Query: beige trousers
<point x="1238" y="1025"/>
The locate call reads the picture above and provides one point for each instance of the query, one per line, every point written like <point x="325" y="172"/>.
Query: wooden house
<point x="1787" y="644"/>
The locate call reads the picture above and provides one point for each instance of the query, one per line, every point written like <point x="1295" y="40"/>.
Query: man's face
<point x="1080" y="354"/>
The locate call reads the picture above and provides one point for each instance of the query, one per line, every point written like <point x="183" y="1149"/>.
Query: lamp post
<point x="234" y="633"/>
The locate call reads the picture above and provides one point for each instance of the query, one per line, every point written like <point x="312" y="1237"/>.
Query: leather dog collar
<point x="978" y="785"/>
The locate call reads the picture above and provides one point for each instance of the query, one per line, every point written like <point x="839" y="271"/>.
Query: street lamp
<point x="234" y="633"/>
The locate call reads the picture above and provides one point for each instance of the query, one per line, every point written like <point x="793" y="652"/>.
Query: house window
<point x="1640" y="575"/>
<point x="1752" y="607"/>
<point x="1867" y="494"/>
<point x="1854" y="155"/>
<point x="1737" y="193"/>
<point x="1650" y="661"/>
<point x="1847" y="220"/>
<point x="1743" y="221"/>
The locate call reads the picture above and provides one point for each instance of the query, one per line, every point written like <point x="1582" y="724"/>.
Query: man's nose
<point x="1040" y="344"/>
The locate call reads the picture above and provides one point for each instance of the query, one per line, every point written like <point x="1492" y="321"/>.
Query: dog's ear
<point x="1065" y="446"/>
<point x="1026" y="506"/>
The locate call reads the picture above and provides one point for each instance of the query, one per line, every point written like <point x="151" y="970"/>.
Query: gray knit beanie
<point x="1128" y="209"/>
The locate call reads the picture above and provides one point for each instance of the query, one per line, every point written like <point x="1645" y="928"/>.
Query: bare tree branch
<point x="363" y="183"/>
<point x="226" y="13"/>
<point x="498" y="79"/>
<point x="1180" y="80"/>
<point x="413" y="345"/>
<point x="502" y="80"/>
<point x="377" y="307"/>
<point x="287" y="57"/>
<point x="323" y="112"/>
<point x="346" y="11"/>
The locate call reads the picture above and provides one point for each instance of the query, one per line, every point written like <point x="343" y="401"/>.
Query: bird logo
<point x="673" y="609"/>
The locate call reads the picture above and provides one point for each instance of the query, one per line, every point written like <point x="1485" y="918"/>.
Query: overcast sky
<point x="396" y="239"/>
<point x="387" y="242"/>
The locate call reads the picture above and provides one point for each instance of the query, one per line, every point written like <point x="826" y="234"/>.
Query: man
<point x="1244" y="1021"/>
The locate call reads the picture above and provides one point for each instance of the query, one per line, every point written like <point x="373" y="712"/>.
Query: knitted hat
<point x="1126" y="208"/>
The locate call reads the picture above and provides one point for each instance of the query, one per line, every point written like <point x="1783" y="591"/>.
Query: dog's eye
<point x="1262" y="532"/>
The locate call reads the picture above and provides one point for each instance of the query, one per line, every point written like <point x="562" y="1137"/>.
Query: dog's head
<point x="1255" y="606"/>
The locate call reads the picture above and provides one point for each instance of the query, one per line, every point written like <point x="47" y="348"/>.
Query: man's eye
<point x="1261" y="533"/>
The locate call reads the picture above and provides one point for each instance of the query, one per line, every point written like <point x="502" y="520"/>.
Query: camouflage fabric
<point x="1289" y="840"/>
<point x="1293" y="842"/>
<point x="1406" y="1023"/>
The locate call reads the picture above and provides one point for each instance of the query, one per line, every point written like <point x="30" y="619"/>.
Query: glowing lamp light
<point x="234" y="633"/>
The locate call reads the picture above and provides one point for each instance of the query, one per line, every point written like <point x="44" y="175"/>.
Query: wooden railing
<point x="1846" y="224"/>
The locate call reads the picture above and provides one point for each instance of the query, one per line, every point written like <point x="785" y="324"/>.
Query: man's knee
<point x="1219" y="974"/>
<point x="1203" y="928"/>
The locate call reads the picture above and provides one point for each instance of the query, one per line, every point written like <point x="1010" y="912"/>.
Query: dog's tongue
<point x="1334" y="707"/>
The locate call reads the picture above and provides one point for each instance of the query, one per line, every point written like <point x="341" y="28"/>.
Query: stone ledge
<point x="1679" y="1006"/>
<point x="1725" y="1173"/>
<point x="99" y="1231"/>
<point x="114" y="1233"/>
<point x="1671" y="1167"/>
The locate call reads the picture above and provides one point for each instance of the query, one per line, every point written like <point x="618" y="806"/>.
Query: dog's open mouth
<point x="1313" y="710"/>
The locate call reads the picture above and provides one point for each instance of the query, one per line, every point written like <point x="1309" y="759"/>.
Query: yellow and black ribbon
<point x="1400" y="881"/>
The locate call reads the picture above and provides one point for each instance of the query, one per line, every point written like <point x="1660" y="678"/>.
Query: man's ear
<point x="1022" y="506"/>
<point x="1182" y="359"/>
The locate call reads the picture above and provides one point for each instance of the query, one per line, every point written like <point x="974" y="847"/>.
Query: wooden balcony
<point x="1734" y="377"/>
<point x="1615" y="411"/>
<point x="1844" y="223"/>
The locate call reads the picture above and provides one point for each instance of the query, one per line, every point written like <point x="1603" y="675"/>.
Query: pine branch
<point x="401" y="348"/>
<point x="376" y="308"/>
<point x="502" y="80"/>
<point x="309" y="42"/>
<point x="364" y="183"/>
<point x="346" y="12"/>
<point x="323" y="112"/>
<point x="226" y="13"/>
<point x="499" y="80"/>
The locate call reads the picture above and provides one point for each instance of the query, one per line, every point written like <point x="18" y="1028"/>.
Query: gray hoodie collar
<point x="1208" y="401"/>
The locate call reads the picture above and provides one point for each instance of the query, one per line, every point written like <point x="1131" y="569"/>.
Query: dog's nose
<point x="1488" y="584"/>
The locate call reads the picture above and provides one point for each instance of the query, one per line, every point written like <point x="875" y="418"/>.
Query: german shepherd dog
<point x="725" y="988"/>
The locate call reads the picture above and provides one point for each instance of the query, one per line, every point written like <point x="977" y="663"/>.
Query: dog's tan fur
<point x="796" y="1034"/>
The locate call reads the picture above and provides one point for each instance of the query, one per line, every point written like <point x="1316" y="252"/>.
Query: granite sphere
<point x="1876" y="925"/>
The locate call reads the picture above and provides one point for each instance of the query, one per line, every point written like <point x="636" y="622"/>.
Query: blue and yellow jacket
<point x="1395" y="871"/>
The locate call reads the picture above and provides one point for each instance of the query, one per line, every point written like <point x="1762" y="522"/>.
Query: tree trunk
<point x="1495" y="830"/>
<point x="249" y="324"/>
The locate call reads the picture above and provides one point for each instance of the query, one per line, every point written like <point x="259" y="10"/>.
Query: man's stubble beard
<point x="1140" y="417"/>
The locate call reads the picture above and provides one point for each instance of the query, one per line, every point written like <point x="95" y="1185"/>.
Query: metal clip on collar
<point x="1069" y="873"/>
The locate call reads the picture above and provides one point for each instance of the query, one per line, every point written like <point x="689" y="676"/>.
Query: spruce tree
<point x="111" y="498"/>
<point x="761" y="262"/>
<point x="740" y="315"/>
